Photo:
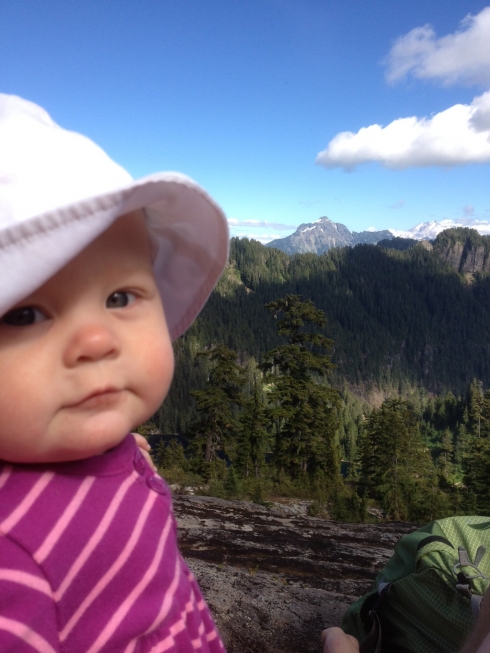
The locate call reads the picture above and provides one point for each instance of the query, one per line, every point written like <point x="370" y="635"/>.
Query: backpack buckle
<point x="464" y="561"/>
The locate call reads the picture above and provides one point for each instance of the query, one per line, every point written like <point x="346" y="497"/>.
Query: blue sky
<point x="284" y="110"/>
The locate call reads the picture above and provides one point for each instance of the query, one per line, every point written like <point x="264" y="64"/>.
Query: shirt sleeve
<point x="28" y="621"/>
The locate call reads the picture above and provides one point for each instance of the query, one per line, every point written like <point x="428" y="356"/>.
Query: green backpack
<point x="426" y="598"/>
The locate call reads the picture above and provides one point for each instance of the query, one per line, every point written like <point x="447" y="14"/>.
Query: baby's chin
<point x="71" y="435"/>
<point x="97" y="440"/>
<point x="94" y="442"/>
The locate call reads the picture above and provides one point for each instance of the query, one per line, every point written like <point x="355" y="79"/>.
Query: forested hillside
<point x="395" y="317"/>
<point x="410" y="348"/>
<point x="398" y="319"/>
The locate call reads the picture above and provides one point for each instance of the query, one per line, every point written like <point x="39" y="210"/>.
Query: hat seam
<point x="36" y="227"/>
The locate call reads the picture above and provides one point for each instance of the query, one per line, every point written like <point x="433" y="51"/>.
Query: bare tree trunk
<point x="209" y="448"/>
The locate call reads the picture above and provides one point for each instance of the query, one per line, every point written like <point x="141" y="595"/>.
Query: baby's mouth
<point x="105" y="397"/>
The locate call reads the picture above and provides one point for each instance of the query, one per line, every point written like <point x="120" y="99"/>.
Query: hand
<point x="336" y="641"/>
<point x="144" y="448"/>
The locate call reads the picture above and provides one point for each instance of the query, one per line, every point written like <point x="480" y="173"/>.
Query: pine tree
<point x="253" y="441"/>
<point x="303" y="409"/>
<point x="485" y="415"/>
<point x="396" y="467"/>
<point x="477" y="474"/>
<point x="445" y="457"/>
<point x="476" y="406"/>
<point x="476" y="462"/>
<point x="217" y="404"/>
<point x="460" y="443"/>
<point x="231" y="484"/>
<point x="171" y="455"/>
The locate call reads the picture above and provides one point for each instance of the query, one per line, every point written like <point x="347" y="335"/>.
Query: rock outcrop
<point x="273" y="577"/>
<point x="464" y="249"/>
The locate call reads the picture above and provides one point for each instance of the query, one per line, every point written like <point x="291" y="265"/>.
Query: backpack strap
<point x="479" y="554"/>
<point x="372" y="643"/>
<point x="464" y="561"/>
<point x="476" y="601"/>
<point x="464" y="580"/>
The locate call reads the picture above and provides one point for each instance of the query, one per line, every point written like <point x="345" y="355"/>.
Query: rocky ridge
<point x="274" y="577"/>
<point x="322" y="235"/>
<point x="465" y="256"/>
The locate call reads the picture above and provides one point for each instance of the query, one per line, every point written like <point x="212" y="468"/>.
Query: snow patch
<point x="307" y="229"/>
<point x="429" y="230"/>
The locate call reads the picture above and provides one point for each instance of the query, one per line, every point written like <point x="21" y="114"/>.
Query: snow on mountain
<point x="322" y="235"/>
<point x="429" y="230"/>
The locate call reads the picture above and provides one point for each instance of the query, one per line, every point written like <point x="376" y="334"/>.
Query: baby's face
<point x="86" y="357"/>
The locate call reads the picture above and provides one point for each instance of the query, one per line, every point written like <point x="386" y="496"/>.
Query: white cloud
<point x="459" y="135"/>
<point x="263" y="238"/>
<point x="480" y="119"/>
<point x="469" y="210"/>
<point x="462" y="57"/>
<point x="233" y="223"/>
<point x="262" y="230"/>
<point x="398" y="205"/>
<point x="482" y="226"/>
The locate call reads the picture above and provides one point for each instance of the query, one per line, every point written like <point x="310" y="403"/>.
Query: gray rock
<point x="273" y="578"/>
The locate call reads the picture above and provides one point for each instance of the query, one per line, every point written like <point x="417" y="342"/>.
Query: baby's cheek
<point x="17" y="419"/>
<point x="159" y="374"/>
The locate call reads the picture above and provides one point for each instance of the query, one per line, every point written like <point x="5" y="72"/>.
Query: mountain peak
<point x="322" y="220"/>
<point x="324" y="234"/>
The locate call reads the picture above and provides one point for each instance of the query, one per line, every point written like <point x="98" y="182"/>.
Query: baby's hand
<point x="145" y="449"/>
<point x="336" y="641"/>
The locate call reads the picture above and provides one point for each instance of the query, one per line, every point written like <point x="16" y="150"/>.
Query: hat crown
<point x="59" y="191"/>
<point x="43" y="166"/>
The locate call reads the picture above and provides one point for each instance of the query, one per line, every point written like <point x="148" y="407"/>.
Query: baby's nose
<point x="90" y="342"/>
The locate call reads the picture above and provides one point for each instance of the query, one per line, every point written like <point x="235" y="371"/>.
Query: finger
<point x="141" y="441"/>
<point x="147" y="457"/>
<point x="336" y="641"/>
<point x="144" y="447"/>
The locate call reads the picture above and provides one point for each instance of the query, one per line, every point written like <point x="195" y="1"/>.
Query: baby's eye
<point x="23" y="316"/>
<point x="119" y="299"/>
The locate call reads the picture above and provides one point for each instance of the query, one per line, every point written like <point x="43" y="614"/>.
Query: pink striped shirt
<point x="89" y="561"/>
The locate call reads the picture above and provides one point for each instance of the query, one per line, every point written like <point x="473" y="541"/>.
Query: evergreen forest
<point x="358" y="379"/>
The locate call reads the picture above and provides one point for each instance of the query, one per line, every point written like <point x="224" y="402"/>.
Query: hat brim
<point x="188" y="227"/>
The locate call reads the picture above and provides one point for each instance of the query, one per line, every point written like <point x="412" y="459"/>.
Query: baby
<point x="99" y="274"/>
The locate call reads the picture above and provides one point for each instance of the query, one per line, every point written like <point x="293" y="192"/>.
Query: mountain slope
<point x="395" y="316"/>
<point x="322" y="235"/>
<point x="398" y="319"/>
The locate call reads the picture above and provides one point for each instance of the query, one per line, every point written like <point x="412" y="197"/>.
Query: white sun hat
<point x="59" y="191"/>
